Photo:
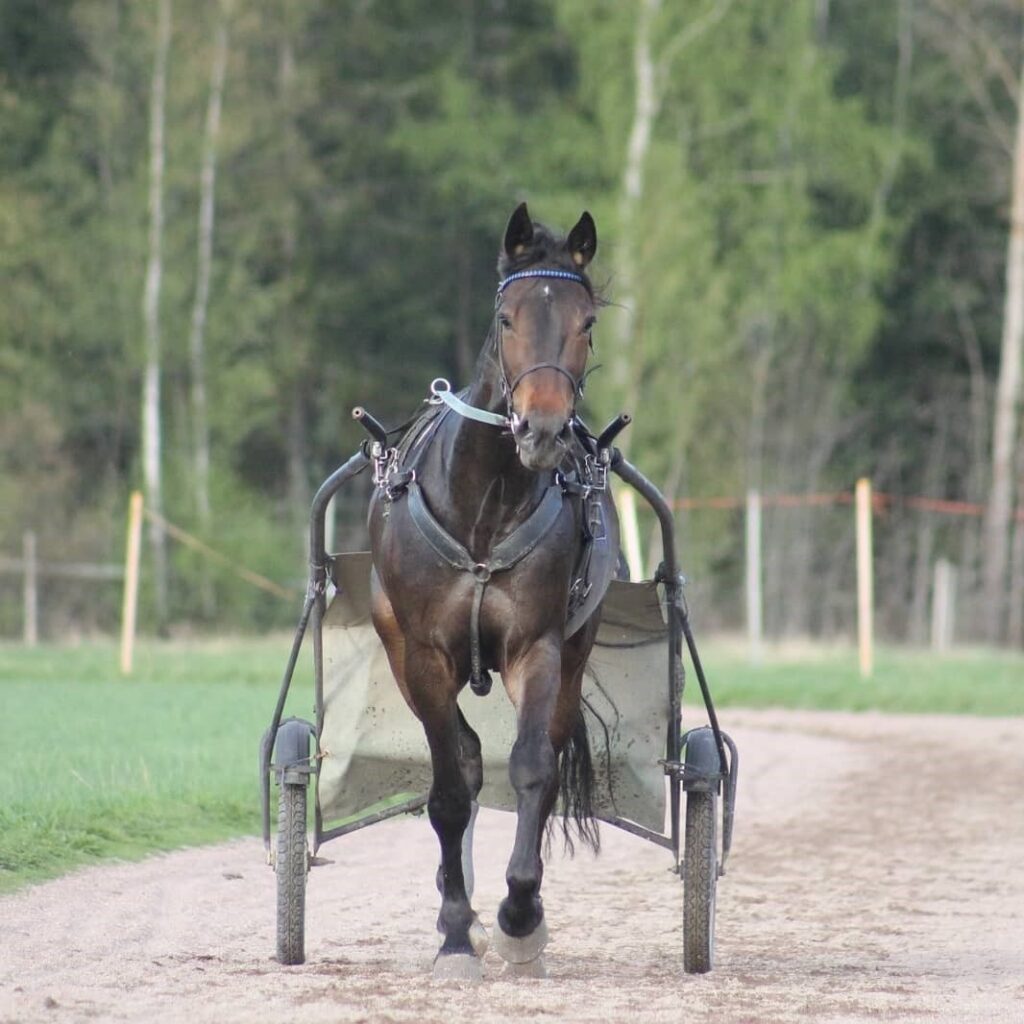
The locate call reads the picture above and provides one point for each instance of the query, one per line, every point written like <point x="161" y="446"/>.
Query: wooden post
<point x="865" y="579"/>
<point x="330" y="524"/>
<point x="943" y="606"/>
<point x="631" y="533"/>
<point x="30" y="625"/>
<point x="754" y="606"/>
<point x="131" y="582"/>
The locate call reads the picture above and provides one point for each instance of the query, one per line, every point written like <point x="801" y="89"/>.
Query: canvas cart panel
<point x="374" y="749"/>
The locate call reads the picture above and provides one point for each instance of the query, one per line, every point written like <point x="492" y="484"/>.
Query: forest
<point x="225" y="223"/>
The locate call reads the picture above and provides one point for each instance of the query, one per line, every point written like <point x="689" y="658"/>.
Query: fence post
<point x="754" y="600"/>
<point x="630" y="532"/>
<point x="943" y="606"/>
<point x="130" y="604"/>
<point x="30" y="624"/>
<point x="865" y="579"/>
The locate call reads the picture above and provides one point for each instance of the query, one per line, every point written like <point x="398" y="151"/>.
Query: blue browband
<point x="565" y="275"/>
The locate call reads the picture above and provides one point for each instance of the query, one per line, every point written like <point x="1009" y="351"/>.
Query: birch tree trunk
<point x="151" y="434"/>
<point x="626" y="353"/>
<point x="1008" y="387"/>
<point x="625" y="361"/>
<point x="294" y="383"/>
<point x="204" y="261"/>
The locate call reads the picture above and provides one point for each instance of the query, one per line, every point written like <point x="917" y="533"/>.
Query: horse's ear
<point x="582" y="241"/>
<point x="519" y="233"/>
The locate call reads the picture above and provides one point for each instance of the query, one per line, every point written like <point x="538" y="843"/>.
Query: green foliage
<point x="817" y="253"/>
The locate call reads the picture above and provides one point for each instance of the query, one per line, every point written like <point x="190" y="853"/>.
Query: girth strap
<point x="504" y="555"/>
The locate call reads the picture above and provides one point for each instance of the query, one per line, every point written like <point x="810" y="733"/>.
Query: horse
<point x="493" y="538"/>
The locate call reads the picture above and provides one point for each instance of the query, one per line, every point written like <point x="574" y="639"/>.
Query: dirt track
<point x="877" y="874"/>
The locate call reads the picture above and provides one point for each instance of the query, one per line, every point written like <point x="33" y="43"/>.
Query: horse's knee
<point x="449" y="809"/>
<point x="532" y="764"/>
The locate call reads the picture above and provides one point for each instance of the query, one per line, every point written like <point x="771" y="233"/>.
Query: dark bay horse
<point x="493" y="539"/>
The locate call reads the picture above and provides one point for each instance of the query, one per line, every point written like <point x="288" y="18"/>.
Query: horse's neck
<point x="488" y="490"/>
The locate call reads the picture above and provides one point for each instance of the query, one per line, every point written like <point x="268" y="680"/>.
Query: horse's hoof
<point x="461" y="968"/>
<point x="520" y="949"/>
<point x="531" y="969"/>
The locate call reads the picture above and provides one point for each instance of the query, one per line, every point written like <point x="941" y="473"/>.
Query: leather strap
<point x="504" y="555"/>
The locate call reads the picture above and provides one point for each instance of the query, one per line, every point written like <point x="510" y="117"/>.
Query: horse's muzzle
<point x="541" y="438"/>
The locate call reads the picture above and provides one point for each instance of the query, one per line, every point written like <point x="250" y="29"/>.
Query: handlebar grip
<point x="370" y="424"/>
<point x="613" y="430"/>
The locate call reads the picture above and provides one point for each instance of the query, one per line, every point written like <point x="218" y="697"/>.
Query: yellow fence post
<point x="630" y="532"/>
<point x="865" y="579"/>
<point x="131" y="581"/>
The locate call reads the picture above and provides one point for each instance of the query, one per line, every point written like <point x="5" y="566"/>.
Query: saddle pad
<point x="374" y="749"/>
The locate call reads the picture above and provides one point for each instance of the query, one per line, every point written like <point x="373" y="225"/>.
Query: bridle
<point x="508" y="387"/>
<point x="441" y="391"/>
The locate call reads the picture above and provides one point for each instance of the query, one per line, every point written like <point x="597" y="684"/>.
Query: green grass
<point x="95" y="766"/>
<point x="972" y="682"/>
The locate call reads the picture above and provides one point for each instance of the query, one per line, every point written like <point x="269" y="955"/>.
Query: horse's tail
<point x="576" y="788"/>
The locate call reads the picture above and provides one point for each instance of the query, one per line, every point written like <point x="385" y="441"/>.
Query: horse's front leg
<point x="533" y="683"/>
<point x="432" y="692"/>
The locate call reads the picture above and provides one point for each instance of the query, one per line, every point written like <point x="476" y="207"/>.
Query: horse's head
<point x="544" y="315"/>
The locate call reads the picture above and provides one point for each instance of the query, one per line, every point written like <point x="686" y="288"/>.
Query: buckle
<point x="596" y="472"/>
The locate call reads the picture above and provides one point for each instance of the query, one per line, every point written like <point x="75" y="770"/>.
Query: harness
<point x="582" y="478"/>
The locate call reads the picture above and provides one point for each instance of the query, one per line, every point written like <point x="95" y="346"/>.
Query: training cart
<point x="367" y="759"/>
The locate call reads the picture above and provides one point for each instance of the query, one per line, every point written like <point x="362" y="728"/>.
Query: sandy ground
<point x="877" y="874"/>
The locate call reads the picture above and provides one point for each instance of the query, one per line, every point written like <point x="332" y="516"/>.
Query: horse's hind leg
<point x="432" y="692"/>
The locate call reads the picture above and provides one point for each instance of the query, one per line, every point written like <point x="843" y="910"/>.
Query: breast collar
<point x="395" y="477"/>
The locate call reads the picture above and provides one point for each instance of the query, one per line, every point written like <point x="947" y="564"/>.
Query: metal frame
<point x="681" y="775"/>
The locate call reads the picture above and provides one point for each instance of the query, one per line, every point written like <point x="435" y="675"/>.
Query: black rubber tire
<point x="292" y="868"/>
<point x="700" y="882"/>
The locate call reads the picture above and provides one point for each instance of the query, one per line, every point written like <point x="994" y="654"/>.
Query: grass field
<point x="98" y="767"/>
<point x="973" y="682"/>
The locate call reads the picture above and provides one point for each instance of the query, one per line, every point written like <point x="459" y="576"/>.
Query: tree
<point x="151" y="418"/>
<point x="204" y="259"/>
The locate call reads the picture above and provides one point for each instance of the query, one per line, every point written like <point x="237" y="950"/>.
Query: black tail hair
<point x="576" y="788"/>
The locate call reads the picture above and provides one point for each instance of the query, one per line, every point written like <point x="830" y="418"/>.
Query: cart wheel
<point x="292" y="867"/>
<point x="700" y="878"/>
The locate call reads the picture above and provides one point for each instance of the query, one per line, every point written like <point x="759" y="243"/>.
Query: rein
<point x="441" y="389"/>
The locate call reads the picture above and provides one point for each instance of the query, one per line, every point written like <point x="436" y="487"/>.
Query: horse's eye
<point x="505" y="320"/>
<point x="588" y="324"/>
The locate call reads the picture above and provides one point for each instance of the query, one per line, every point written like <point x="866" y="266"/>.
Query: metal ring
<point x="440" y="386"/>
<point x="481" y="571"/>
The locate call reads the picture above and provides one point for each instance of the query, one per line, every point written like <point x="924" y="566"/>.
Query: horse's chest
<point x="434" y="600"/>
